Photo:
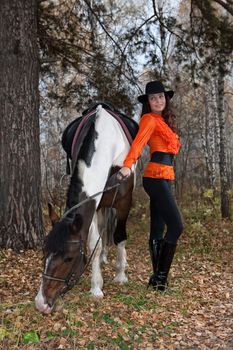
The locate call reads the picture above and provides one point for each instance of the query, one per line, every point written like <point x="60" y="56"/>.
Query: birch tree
<point x="206" y="44"/>
<point x="219" y="34"/>
<point x="209" y="125"/>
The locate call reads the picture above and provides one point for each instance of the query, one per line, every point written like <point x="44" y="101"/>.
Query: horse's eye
<point x="68" y="259"/>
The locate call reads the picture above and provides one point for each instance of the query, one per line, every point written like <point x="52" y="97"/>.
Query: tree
<point x="204" y="47"/>
<point x="82" y="61"/>
<point x="20" y="189"/>
<point x="217" y="33"/>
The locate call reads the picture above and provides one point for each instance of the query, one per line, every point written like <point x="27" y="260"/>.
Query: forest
<point x="58" y="57"/>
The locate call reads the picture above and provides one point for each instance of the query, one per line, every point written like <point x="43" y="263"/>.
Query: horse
<point x="92" y="191"/>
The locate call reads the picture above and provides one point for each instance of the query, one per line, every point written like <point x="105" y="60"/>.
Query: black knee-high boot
<point x="166" y="256"/>
<point x="154" y="247"/>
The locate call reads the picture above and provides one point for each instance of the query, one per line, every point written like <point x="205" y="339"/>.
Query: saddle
<point x="75" y="133"/>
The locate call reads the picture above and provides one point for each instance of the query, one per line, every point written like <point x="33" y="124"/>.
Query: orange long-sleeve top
<point x="156" y="133"/>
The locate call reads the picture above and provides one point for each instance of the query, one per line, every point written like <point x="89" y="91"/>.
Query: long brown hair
<point x="167" y="114"/>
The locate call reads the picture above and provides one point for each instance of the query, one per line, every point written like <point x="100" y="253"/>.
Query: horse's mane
<point x="86" y="152"/>
<point x="88" y="147"/>
<point x="56" y="241"/>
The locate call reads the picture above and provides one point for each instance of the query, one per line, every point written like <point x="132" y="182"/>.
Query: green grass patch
<point x="3" y="333"/>
<point x="168" y="328"/>
<point x="139" y="302"/>
<point x="68" y="332"/>
<point x="31" y="337"/>
<point x="119" y="341"/>
<point x="51" y="335"/>
<point x="109" y="320"/>
<point x="90" y="345"/>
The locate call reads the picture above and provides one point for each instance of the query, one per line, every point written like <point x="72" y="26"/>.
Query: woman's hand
<point x="123" y="173"/>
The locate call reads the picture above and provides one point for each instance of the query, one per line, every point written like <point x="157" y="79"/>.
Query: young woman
<point x="157" y="129"/>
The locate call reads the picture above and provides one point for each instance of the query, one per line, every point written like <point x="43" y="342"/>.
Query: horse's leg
<point x="121" y="264"/>
<point x="120" y="236"/>
<point x="96" y="276"/>
<point x="104" y="252"/>
<point x="103" y="233"/>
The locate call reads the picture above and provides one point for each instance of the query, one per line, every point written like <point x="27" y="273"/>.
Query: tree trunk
<point x="209" y="132"/>
<point x="225" y="204"/>
<point x="163" y="47"/>
<point x="20" y="187"/>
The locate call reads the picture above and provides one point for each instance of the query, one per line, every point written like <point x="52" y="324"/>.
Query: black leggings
<point x="163" y="210"/>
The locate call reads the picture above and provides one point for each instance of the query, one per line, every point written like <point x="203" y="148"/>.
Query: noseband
<point x="70" y="280"/>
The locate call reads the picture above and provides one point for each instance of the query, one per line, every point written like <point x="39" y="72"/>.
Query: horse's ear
<point x="78" y="222"/>
<point x="85" y="215"/>
<point x="52" y="214"/>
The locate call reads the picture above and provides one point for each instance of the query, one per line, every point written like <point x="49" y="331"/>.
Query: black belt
<point x="162" y="158"/>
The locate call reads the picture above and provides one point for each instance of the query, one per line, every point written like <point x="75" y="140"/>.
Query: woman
<point x="157" y="128"/>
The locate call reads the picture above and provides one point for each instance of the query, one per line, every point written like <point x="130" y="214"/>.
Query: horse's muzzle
<point x="42" y="305"/>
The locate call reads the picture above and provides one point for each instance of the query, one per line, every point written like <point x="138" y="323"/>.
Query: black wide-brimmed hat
<point x="154" y="87"/>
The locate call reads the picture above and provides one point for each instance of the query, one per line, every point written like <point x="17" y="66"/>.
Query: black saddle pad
<point x="69" y="132"/>
<point x="131" y="124"/>
<point x="68" y="135"/>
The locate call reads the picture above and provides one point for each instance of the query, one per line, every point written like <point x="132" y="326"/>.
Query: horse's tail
<point x="107" y="226"/>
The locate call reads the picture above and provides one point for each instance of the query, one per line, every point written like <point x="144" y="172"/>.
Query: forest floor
<point x="196" y="312"/>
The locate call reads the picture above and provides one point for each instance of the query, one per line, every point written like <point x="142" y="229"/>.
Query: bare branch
<point x="115" y="42"/>
<point x="227" y="7"/>
<point x="135" y="32"/>
<point x="168" y="29"/>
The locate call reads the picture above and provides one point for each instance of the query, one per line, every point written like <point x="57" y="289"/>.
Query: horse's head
<point x="65" y="255"/>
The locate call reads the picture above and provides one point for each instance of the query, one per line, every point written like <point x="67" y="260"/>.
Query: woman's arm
<point x="146" y="128"/>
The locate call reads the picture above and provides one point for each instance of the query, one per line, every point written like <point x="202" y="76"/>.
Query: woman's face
<point x="157" y="102"/>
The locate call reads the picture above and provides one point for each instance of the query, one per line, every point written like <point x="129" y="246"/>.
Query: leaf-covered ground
<point x="195" y="313"/>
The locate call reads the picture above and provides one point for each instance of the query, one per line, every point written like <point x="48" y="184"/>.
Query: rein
<point x="70" y="280"/>
<point x="91" y="197"/>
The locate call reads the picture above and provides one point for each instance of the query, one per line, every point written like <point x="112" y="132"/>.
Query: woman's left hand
<point x="123" y="173"/>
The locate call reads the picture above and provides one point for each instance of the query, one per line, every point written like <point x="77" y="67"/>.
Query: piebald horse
<point x="78" y="237"/>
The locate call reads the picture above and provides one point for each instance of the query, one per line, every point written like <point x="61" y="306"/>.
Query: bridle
<point x="71" y="279"/>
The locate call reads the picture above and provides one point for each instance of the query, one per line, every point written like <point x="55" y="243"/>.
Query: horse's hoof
<point x="122" y="278"/>
<point x="97" y="293"/>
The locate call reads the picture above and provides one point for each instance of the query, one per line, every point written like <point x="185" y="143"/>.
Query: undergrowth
<point x="131" y="316"/>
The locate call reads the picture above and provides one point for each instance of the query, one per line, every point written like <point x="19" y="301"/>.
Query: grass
<point x="139" y="302"/>
<point x="130" y="316"/>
